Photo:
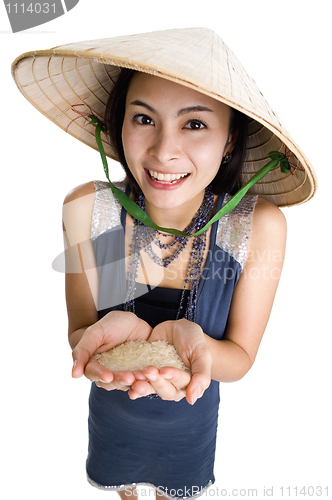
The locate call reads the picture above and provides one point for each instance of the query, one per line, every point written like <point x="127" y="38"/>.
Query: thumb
<point x="201" y="365"/>
<point x="86" y="347"/>
<point x="80" y="360"/>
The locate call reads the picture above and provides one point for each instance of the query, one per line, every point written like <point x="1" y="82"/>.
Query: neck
<point x="177" y="218"/>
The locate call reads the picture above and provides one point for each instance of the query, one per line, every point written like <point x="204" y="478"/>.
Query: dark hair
<point x="114" y="116"/>
<point x="228" y="178"/>
<point x="229" y="175"/>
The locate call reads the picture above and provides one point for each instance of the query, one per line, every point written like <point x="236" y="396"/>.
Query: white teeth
<point x="165" y="177"/>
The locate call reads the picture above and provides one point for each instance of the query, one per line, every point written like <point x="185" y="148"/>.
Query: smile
<point x="166" y="178"/>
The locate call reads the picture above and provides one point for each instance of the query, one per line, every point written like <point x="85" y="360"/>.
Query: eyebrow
<point x="189" y="109"/>
<point x="196" y="108"/>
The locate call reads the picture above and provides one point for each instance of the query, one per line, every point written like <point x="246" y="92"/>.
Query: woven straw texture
<point x="55" y="81"/>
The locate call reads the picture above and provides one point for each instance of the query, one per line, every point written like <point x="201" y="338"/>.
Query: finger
<point x="94" y="371"/>
<point x="201" y="364"/>
<point x="111" y="387"/>
<point x="163" y="387"/>
<point x="163" y="331"/>
<point x="123" y="378"/>
<point x="150" y="373"/>
<point x="86" y="347"/>
<point x="179" y="378"/>
<point x="139" y="375"/>
<point x="140" y="389"/>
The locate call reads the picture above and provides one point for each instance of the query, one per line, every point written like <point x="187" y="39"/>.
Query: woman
<point x="183" y="147"/>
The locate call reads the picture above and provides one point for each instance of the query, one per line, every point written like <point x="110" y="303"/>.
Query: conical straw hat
<point x="55" y="81"/>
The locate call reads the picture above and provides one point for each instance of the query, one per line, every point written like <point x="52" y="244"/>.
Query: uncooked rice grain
<point x="138" y="354"/>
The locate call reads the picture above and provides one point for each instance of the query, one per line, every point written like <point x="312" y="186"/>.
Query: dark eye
<point x="143" y="119"/>
<point x="195" y="125"/>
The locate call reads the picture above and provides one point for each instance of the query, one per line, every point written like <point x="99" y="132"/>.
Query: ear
<point x="232" y="138"/>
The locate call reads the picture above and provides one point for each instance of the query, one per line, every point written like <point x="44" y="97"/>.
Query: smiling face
<point x="174" y="139"/>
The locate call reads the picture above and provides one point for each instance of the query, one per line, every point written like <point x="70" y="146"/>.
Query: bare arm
<point x="253" y="296"/>
<point x="86" y="333"/>
<point x="80" y="269"/>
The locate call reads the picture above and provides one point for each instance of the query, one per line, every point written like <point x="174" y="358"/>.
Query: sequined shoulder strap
<point x="234" y="229"/>
<point x="106" y="210"/>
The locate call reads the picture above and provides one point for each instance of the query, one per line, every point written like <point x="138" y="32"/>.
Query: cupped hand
<point x="113" y="329"/>
<point x="171" y="383"/>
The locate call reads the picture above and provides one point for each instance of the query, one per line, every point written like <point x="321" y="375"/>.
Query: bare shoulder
<point x="85" y="189"/>
<point x="268" y="217"/>
<point x="77" y="212"/>
<point x="269" y="225"/>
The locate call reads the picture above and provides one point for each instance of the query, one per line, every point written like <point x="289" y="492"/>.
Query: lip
<point x="166" y="186"/>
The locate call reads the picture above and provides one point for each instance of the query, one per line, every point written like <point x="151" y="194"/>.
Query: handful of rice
<point x="138" y="354"/>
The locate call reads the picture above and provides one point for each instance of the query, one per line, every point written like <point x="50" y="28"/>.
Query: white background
<point x="274" y="427"/>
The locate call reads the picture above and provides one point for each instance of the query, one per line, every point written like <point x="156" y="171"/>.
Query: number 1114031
<point x="36" y="8"/>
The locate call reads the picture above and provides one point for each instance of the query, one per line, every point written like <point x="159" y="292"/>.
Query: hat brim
<point x="55" y="81"/>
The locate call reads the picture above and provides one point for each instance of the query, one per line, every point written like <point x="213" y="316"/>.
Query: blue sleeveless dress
<point x="165" y="444"/>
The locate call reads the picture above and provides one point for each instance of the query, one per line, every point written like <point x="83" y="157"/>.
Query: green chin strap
<point x="136" y="212"/>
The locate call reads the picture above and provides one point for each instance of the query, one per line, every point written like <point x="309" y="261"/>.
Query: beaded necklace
<point x="144" y="237"/>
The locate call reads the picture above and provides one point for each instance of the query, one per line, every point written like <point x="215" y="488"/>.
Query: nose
<point x="165" y="146"/>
